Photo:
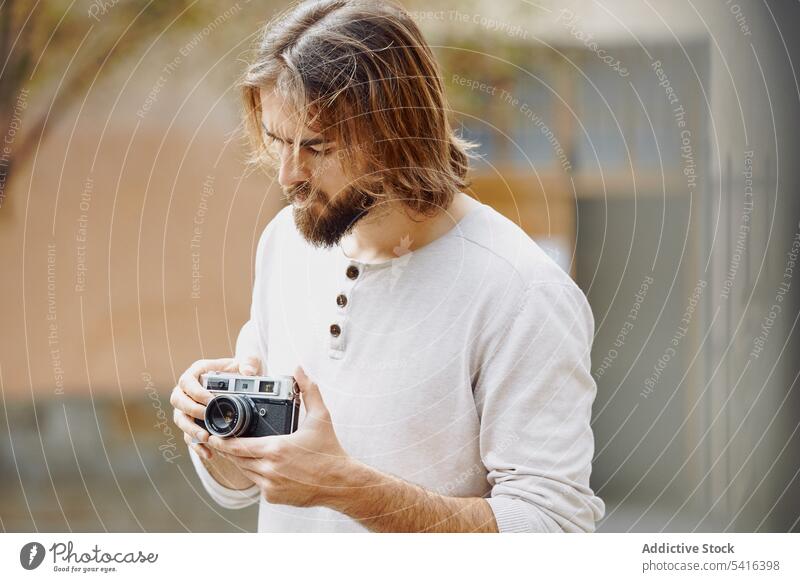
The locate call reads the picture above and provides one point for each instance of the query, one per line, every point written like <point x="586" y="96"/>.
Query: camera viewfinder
<point x="245" y="385"/>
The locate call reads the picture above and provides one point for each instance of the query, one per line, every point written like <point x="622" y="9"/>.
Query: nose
<point x="292" y="171"/>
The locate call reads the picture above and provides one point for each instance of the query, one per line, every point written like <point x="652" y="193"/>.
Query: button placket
<point x="338" y="327"/>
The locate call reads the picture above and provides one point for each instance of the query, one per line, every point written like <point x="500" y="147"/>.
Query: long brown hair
<point x="362" y="75"/>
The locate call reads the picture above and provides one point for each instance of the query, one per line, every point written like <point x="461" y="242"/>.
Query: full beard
<point x="325" y="228"/>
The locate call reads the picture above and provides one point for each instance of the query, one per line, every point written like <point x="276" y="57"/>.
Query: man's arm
<point x="385" y="503"/>
<point x="534" y="396"/>
<point x="310" y="468"/>
<point x="223" y="480"/>
<point x="225" y="472"/>
<point x="227" y="493"/>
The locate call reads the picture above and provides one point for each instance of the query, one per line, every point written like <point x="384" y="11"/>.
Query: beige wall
<point x="137" y="312"/>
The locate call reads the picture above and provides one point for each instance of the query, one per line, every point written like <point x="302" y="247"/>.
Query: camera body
<point x="250" y="406"/>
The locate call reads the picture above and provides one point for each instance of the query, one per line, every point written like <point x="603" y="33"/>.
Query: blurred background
<point x="650" y="148"/>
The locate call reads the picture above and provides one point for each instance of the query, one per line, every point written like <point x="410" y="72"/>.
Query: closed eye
<point x="271" y="139"/>
<point x="318" y="150"/>
<point x="315" y="147"/>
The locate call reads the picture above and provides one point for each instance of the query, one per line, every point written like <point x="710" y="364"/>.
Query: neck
<point x="396" y="231"/>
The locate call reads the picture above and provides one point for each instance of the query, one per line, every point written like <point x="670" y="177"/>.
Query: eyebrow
<point x="303" y="142"/>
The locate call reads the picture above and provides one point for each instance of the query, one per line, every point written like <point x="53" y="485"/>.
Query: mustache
<point x="301" y="194"/>
<point x="298" y="193"/>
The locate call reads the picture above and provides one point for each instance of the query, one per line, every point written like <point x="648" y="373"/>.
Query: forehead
<point x="280" y="116"/>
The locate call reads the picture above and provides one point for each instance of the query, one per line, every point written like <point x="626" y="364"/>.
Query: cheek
<point x="331" y="179"/>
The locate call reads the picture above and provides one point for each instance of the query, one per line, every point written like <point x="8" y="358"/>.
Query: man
<point x="442" y="357"/>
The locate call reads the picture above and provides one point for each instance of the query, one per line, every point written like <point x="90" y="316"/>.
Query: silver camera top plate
<point x="279" y="387"/>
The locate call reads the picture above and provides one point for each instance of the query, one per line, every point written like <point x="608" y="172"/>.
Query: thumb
<point x="311" y="397"/>
<point x="250" y="366"/>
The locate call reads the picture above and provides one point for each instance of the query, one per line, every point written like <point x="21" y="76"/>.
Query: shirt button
<point x="341" y="300"/>
<point x="335" y="330"/>
<point x="352" y="272"/>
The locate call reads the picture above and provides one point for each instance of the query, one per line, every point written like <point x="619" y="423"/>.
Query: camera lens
<point x="228" y="415"/>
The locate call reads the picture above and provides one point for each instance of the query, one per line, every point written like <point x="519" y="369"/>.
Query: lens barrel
<point x="228" y="415"/>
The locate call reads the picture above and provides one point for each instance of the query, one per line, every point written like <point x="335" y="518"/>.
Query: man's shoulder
<point x="279" y="225"/>
<point x="520" y="271"/>
<point x="282" y="218"/>
<point x="272" y="237"/>
<point x="509" y="252"/>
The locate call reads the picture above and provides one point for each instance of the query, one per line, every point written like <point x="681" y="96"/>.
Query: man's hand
<point x="300" y="469"/>
<point x="189" y="398"/>
<point x="310" y="468"/>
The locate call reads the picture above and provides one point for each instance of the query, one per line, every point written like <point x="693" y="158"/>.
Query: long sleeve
<point x="230" y="498"/>
<point x="534" y="394"/>
<point x="248" y="343"/>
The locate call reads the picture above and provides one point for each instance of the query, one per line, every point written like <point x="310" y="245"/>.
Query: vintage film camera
<point x="250" y="406"/>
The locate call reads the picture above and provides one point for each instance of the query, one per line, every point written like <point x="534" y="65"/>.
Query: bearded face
<point x="323" y="219"/>
<point x="310" y="171"/>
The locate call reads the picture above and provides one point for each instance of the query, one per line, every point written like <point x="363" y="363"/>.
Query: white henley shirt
<point x="463" y="367"/>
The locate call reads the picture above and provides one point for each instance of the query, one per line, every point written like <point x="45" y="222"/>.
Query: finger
<point x="240" y="447"/>
<point x="182" y="402"/>
<point x="250" y="366"/>
<point x="256" y="478"/>
<point x="311" y="397"/>
<point x="189" y="384"/>
<point x="190" y="379"/>
<point x="213" y="365"/>
<point x="249" y="464"/>
<point x="199" y="448"/>
<point x="269" y="448"/>
<point x="188" y="426"/>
